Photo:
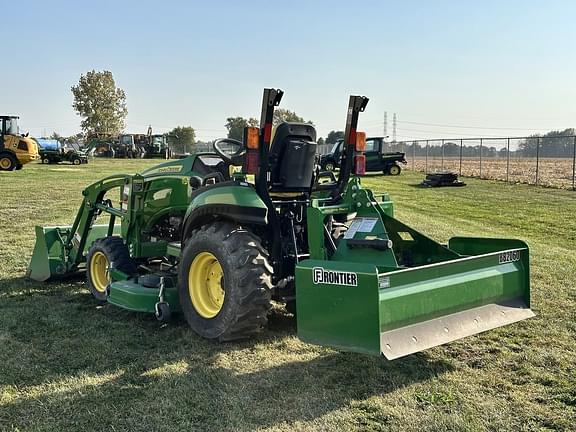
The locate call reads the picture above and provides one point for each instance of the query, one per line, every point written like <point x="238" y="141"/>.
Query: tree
<point x="236" y="125"/>
<point x="100" y="103"/>
<point x="551" y="144"/>
<point x="182" y="139"/>
<point x="320" y="141"/>
<point x="283" y="115"/>
<point x="334" y="136"/>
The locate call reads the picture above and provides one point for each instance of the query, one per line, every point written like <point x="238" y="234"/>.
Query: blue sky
<point x="482" y="66"/>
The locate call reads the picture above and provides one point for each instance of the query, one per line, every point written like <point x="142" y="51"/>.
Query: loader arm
<point x="60" y="250"/>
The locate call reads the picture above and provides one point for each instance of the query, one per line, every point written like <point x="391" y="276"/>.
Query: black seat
<point x="292" y="157"/>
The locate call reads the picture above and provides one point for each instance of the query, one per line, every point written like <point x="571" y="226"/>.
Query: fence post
<point x="413" y="155"/>
<point x="508" y="160"/>
<point x="574" y="166"/>
<point x="461" y="144"/>
<point x="442" y="155"/>
<point x="537" y="157"/>
<point x="426" y="169"/>
<point x="480" y="157"/>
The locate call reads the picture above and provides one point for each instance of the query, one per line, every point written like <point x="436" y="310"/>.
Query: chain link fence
<point x="545" y="161"/>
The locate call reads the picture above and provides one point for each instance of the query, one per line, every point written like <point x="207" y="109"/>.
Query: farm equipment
<point x="442" y="179"/>
<point x="376" y="158"/>
<point x="63" y="154"/>
<point x="193" y="235"/>
<point x="156" y="147"/>
<point x="15" y="149"/>
<point x="101" y="146"/>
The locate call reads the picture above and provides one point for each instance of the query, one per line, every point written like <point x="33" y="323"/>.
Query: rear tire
<point x="225" y="282"/>
<point x="393" y="170"/>
<point x="105" y="253"/>
<point x="8" y="162"/>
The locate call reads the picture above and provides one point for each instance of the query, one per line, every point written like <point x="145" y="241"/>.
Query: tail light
<point x="359" y="156"/>
<point x="252" y="138"/>
<point x="252" y="157"/>
<point x="251" y="161"/>
<point x="360" y="141"/>
<point x="360" y="164"/>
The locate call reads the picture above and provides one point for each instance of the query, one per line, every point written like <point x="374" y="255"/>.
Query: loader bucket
<point x="354" y="307"/>
<point x="49" y="258"/>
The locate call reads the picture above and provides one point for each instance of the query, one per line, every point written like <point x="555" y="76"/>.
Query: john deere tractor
<point x="194" y="236"/>
<point x="15" y="149"/>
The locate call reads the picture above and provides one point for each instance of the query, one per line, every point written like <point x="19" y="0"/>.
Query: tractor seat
<point x="292" y="158"/>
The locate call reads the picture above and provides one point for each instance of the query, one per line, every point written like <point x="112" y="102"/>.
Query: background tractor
<point x="193" y="235"/>
<point x="15" y="149"/>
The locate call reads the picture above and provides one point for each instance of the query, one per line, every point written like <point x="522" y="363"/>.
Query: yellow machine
<point x="15" y="149"/>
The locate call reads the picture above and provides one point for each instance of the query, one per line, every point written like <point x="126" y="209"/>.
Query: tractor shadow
<point x="200" y="390"/>
<point x="69" y="363"/>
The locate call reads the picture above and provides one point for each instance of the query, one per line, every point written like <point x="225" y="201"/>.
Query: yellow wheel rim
<point x="205" y="285"/>
<point x="394" y="170"/>
<point x="5" y="163"/>
<point x="99" y="271"/>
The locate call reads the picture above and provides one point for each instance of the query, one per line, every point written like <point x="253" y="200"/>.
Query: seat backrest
<point x="292" y="157"/>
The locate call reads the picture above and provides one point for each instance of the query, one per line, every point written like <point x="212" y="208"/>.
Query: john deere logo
<point x="332" y="277"/>
<point x="172" y="169"/>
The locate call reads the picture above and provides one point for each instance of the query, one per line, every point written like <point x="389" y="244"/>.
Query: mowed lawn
<point x="68" y="364"/>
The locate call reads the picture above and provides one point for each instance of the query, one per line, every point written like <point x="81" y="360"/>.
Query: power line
<point x="468" y="127"/>
<point x="480" y="127"/>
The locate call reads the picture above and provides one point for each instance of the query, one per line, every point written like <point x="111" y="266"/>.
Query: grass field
<point x="68" y="364"/>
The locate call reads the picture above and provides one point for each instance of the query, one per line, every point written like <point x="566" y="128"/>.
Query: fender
<point x="233" y="200"/>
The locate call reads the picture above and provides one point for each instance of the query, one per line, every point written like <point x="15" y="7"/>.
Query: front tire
<point x="225" y="282"/>
<point x="76" y="161"/>
<point x="105" y="253"/>
<point x="328" y="166"/>
<point x="8" y="162"/>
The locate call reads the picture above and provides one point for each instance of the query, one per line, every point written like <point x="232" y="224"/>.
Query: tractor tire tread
<point x="253" y="275"/>
<point x="118" y="256"/>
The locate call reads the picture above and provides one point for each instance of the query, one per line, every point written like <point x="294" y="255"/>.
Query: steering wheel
<point x="231" y="150"/>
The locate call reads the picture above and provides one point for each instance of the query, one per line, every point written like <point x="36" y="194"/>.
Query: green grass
<point x="68" y="364"/>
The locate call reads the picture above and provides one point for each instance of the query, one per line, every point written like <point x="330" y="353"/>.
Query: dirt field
<point x="551" y="172"/>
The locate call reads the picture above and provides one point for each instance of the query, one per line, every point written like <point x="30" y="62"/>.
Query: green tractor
<point x="196" y="237"/>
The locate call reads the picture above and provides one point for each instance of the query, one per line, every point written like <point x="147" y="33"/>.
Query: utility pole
<point x="394" y="119"/>
<point x="385" y="124"/>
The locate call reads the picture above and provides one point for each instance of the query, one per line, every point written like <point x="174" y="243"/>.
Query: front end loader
<point x="219" y="245"/>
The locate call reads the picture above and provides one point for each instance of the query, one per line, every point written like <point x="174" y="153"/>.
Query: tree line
<point x="103" y="110"/>
<point x="554" y="144"/>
